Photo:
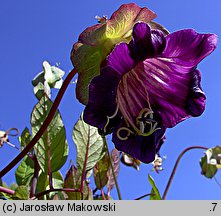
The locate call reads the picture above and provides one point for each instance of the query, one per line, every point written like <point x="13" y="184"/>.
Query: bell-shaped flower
<point x="148" y="85"/>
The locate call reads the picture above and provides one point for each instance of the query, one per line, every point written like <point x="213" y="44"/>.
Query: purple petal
<point x="188" y="48"/>
<point x="196" y="97"/>
<point x="172" y="91"/>
<point x="102" y="98"/>
<point x="146" y="42"/>
<point x="120" y="59"/>
<point x="142" y="148"/>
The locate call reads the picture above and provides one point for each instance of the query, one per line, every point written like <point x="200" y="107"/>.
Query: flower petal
<point x="196" y="97"/>
<point x="171" y="91"/>
<point x="188" y="48"/>
<point x="146" y="42"/>
<point x="102" y="98"/>
<point x="120" y="59"/>
<point x="142" y="148"/>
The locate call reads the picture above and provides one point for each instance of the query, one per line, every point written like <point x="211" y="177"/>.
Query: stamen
<point x="110" y="117"/>
<point x="124" y="129"/>
<point x="141" y="121"/>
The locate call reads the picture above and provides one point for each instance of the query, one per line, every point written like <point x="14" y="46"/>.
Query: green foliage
<point x="89" y="145"/>
<point x="25" y="171"/>
<point x="155" y="195"/>
<point x="50" y="77"/>
<point x="52" y="145"/>
<point x="115" y="158"/>
<point x="43" y="183"/>
<point x="21" y="193"/>
<point x="73" y="181"/>
<point x="101" y="171"/>
<point x="25" y="137"/>
<point x="211" y="162"/>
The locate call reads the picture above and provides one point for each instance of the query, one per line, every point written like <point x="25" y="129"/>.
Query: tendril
<point x="108" y="119"/>
<point x="124" y="129"/>
<point x="4" y="137"/>
<point x="145" y="117"/>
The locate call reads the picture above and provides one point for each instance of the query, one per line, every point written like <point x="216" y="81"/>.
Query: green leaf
<point x="100" y="172"/>
<point x="58" y="196"/>
<point x="155" y="192"/>
<point x="57" y="179"/>
<point x="211" y="162"/>
<point x="115" y="158"/>
<point x="53" y="75"/>
<point x="50" y="77"/>
<point x="43" y="183"/>
<point x="25" y="171"/>
<point x="73" y="181"/>
<point x="21" y="193"/>
<point x="53" y="141"/>
<point x="25" y="137"/>
<point x="89" y="145"/>
<point x="42" y="88"/>
<point x="58" y="182"/>
<point x="13" y="186"/>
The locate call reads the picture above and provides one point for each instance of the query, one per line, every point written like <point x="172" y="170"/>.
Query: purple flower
<point x="150" y="84"/>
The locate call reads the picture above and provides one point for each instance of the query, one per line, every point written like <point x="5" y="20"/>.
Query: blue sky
<point x="34" y="31"/>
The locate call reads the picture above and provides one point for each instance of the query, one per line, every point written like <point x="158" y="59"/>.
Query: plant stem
<point x="54" y="190"/>
<point x="6" y="190"/>
<point x="112" y="168"/>
<point x="102" y="194"/>
<point x="85" y="165"/>
<point x="176" y="165"/>
<point x="217" y="182"/>
<point x="35" y="177"/>
<point x="141" y="197"/>
<point x="49" y="160"/>
<point x="44" y="125"/>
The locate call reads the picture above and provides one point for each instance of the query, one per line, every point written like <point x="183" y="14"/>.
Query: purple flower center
<point x="133" y="102"/>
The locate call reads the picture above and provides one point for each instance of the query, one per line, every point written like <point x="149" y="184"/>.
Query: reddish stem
<point x="49" y="161"/>
<point x="176" y="165"/>
<point x="43" y="127"/>
<point x="35" y="177"/>
<point x="103" y="195"/>
<point x="85" y="164"/>
<point x="54" y="190"/>
<point x="141" y="197"/>
<point x="6" y="190"/>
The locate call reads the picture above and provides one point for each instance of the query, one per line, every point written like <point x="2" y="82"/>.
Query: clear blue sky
<point x="34" y="31"/>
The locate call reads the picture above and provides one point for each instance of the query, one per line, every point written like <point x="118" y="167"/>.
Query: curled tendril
<point x="12" y="129"/>
<point x="108" y="119"/>
<point x="145" y="117"/>
<point x="124" y="129"/>
<point x="4" y="137"/>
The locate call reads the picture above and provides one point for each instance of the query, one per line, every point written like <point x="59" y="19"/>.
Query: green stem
<point x="112" y="168"/>
<point x="176" y="165"/>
